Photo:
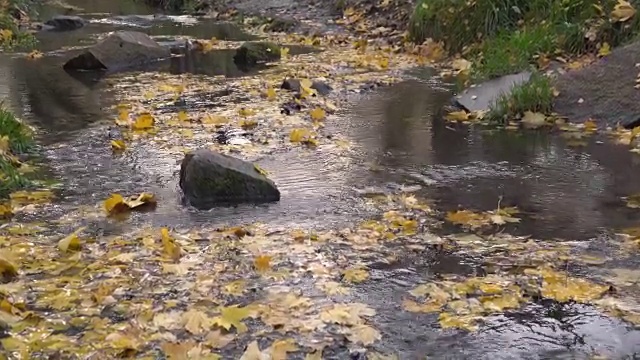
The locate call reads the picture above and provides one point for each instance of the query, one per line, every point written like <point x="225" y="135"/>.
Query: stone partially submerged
<point x="483" y="95"/>
<point x="208" y="179"/>
<point x="120" y="50"/>
<point x="604" y="91"/>
<point x="254" y="52"/>
<point x="64" y="23"/>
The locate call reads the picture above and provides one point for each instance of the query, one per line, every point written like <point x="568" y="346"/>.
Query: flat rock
<point x="208" y="179"/>
<point x="118" y="51"/>
<point x="481" y="96"/>
<point x="64" y="23"/>
<point x="603" y="91"/>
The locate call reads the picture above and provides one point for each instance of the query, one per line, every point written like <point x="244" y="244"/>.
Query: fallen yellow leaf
<point x="622" y="11"/>
<point x="262" y="263"/>
<point x="71" y="242"/>
<point x="143" y="122"/>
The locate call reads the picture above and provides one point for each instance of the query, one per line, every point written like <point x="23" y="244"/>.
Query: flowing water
<point x="566" y="192"/>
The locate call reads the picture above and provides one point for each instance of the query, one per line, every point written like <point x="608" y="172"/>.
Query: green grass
<point x="462" y="23"/>
<point x="10" y="178"/>
<point x="20" y="142"/>
<point x="20" y="136"/>
<point x="511" y="52"/>
<point x="175" y="5"/>
<point x="535" y="95"/>
<point x="12" y="37"/>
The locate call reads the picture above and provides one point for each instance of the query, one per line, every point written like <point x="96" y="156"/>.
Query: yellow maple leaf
<point x="317" y="114"/>
<point x="458" y="116"/>
<point x="622" y="11"/>
<point x="280" y="348"/>
<point x="6" y="35"/>
<point x="71" y="241"/>
<point x="143" y="122"/>
<point x="183" y="116"/>
<point x="196" y="322"/>
<point x="262" y="263"/>
<point x="232" y="316"/>
<point x="244" y="112"/>
<point x="364" y="334"/>
<point x="141" y="200"/>
<point x="604" y="50"/>
<point x="115" y="204"/>
<point x="270" y="93"/>
<point x="123" y="117"/>
<point x="170" y="248"/>
<point x="247" y="124"/>
<point x="355" y="275"/>
<point x="118" y="145"/>
<point x="35" y="54"/>
<point x="8" y="267"/>
<point x="214" y="120"/>
<point x="6" y="210"/>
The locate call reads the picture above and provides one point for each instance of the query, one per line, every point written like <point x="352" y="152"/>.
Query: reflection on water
<point x="566" y="192"/>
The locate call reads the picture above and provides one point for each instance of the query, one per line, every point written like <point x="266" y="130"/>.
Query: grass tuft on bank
<point x="13" y="13"/>
<point x="536" y="95"/>
<point x="15" y="139"/>
<point x="506" y="36"/>
<point x="187" y="6"/>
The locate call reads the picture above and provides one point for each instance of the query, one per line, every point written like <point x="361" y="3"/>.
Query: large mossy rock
<point x="208" y="179"/>
<point x="604" y="92"/>
<point x="120" y="50"/>
<point x="253" y="52"/>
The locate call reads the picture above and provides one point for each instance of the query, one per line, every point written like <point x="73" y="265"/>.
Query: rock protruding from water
<point x="294" y="85"/>
<point x="208" y="179"/>
<point x="255" y="52"/>
<point x="483" y="95"/>
<point x="64" y="23"/>
<point x="120" y="50"/>
<point x="604" y="91"/>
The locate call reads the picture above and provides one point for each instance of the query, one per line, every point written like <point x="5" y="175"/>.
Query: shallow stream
<point x="566" y="192"/>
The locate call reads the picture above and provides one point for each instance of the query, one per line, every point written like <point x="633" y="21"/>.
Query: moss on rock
<point x="254" y="52"/>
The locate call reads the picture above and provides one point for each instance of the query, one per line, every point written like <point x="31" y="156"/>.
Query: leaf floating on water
<point x="143" y="122"/>
<point x="260" y="170"/>
<point x="458" y="116"/>
<point x="214" y="120"/>
<point x="183" y="116"/>
<point x="303" y="136"/>
<point x="35" y="54"/>
<point x="463" y="322"/>
<point x="355" y="275"/>
<point x="262" y="263"/>
<point x="253" y="352"/>
<point x="232" y="316"/>
<point x="244" y="112"/>
<point x="280" y="348"/>
<point x="170" y="248"/>
<point x="8" y="268"/>
<point x="532" y="120"/>
<point x="270" y="93"/>
<point x="246" y="124"/>
<point x="118" y="145"/>
<point x="363" y="334"/>
<point x="116" y="203"/>
<point x="71" y="242"/>
<point x="31" y="197"/>
<point x="123" y="117"/>
<point x="317" y="114"/>
<point x="6" y="210"/>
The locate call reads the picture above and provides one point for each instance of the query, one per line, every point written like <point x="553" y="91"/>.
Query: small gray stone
<point x="483" y="95"/>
